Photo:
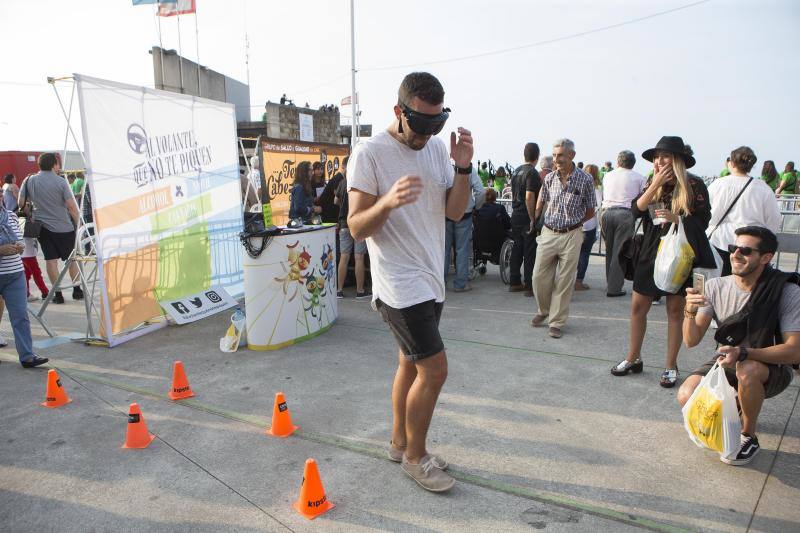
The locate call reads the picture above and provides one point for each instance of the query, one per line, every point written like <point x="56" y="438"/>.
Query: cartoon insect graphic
<point x="315" y="286"/>
<point x="328" y="261"/>
<point x="298" y="263"/>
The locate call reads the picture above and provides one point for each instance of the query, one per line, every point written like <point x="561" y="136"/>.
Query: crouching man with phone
<point x="758" y="311"/>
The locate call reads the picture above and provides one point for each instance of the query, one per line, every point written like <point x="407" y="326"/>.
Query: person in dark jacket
<point x="681" y="196"/>
<point x="330" y="210"/>
<point x="491" y="210"/>
<point x="758" y="311"/>
<point x="302" y="196"/>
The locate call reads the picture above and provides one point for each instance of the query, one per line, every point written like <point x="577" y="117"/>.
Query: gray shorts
<point x="347" y="244"/>
<point x="780" y="376"/>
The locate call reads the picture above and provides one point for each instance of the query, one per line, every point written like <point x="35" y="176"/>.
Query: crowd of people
<point x="47" y="202"/>
<point x="415" y="202"/>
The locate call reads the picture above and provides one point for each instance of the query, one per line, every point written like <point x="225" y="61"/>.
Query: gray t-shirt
<point x="727" y="298"/>
<point x="48" y="191"/>
<point x="407" y="253"/>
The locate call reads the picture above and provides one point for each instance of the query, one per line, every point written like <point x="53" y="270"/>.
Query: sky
<point x="719" y="73"/>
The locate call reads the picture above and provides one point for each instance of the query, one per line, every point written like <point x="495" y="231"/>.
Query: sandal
<point x="669" y="377"/>
<point x="626" y="366"/>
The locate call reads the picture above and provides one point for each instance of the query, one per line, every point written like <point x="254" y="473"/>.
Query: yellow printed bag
<point x="710" y="416"/>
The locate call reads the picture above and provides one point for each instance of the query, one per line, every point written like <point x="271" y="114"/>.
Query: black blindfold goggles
<point x="424" y="124"/>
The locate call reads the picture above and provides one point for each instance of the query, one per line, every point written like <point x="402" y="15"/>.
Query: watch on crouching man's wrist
<point x="464" y="170"/>
<point x="743" y="353"/>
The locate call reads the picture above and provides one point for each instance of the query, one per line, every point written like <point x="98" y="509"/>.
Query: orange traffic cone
<point x="180" y="385"/>
<point x="312" y="501"/>
<point x="137" y="436"/>
<point x="281" y="419"/>
<point x="55" y="396"/>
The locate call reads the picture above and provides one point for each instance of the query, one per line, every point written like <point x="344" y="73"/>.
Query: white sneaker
<point x="33" y="298"/>
<point x="3" y="341"/>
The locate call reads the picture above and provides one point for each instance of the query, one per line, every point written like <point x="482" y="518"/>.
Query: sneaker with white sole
<point x="397" y="456"/>
<point x="427" y="475"/>
<point x="748" y="449"/>
<point x="3" y="341"/>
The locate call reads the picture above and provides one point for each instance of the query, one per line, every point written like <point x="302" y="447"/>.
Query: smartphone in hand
<point x="699" y="283"/>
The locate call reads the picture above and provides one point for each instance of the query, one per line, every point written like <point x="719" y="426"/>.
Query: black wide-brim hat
<point x="673" y="145"/>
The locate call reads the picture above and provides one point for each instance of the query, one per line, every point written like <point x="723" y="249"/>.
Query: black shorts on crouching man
<point x="415" y="328"/>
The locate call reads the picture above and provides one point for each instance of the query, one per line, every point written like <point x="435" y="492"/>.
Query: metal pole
<point x="180" y="52"/>
<point x="66" y="133"/>
<point x="160" y="50"/>
<point x="353" y="98"/>
<point x="197" y="42"/>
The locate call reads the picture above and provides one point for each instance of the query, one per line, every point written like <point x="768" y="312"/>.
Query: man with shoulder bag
<point x="53" y="215"/>
<point x="758" y="311"/>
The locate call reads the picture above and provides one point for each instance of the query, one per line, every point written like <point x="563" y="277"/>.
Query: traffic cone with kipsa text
<point x="180" y="385"/>
<point x="312" y="501"/>
<point x="281" y="419"/>
<point x="137" y="436"/>
<point x="55" y="396"/>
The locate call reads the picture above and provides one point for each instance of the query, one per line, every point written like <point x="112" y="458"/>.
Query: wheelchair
<point x="491" y="243"/>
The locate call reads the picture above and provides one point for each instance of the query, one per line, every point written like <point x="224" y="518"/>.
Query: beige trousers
<point x="554" y="273"/>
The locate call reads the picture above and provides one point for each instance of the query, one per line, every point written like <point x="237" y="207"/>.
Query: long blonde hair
<point x="682" y="195"/>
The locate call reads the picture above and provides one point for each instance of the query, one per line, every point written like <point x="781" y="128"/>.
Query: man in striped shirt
<point x="13" y="288"/>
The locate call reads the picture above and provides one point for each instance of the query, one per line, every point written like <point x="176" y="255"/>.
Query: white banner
<point x="306" y="127"/>
<point x="163" y="172"/>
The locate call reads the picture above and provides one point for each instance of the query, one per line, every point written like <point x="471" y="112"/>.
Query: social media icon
<point x="213" y="297"/>
<point x="182" y="309"/>
<point x="197" y="302"/>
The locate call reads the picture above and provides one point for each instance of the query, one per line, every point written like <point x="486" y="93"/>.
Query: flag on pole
<point x="348" y="100"/>
<point x="176" y="7"/>
<point x="143" y="2"/>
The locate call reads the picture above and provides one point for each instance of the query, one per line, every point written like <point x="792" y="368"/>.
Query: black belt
<point x="567" y="230"/>
<point x="467" y="215"/>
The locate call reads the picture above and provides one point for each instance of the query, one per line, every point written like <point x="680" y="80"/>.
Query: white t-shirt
<point x="621" y="186"/>
<point x="591" y="224"/>
<point x="407" y="253"/>
<point x="756" y="207"/>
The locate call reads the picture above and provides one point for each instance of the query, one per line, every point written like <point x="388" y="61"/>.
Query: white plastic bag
<point x="710" y="273"/>
<point x="674" y="259"/>
<point x="710" y="416"/>
<point x="233" y="336"/>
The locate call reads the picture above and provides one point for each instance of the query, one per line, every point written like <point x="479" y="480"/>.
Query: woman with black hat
<point x="682" y="196"/>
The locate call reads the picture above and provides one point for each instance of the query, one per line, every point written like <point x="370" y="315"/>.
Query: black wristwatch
<point x="742" y="353"/>
<point x="463" y="170"/>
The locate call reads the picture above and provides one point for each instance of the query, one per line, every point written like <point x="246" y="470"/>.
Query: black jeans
<point x="524" y="251"/>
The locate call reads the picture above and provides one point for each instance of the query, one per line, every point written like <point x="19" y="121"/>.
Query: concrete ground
<point x="539" y="434"/>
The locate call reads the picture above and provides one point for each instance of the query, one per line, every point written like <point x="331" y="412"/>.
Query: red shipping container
<point x="20" y="164"/>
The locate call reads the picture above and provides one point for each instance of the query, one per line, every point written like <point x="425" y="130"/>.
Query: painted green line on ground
<point x="339" y="442"/>
<point x="503" y="346"/>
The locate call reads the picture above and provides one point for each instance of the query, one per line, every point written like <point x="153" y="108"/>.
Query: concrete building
<point x="172" y="72"/>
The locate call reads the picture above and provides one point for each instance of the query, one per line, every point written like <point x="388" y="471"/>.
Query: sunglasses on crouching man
<point x="423" y="123"/>
<point x="744" y="250"/>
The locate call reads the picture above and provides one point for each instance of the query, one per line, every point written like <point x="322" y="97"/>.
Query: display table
<point x="290" y="289"/>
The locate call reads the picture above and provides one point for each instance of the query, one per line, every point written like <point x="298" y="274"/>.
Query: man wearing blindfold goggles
<point x="401" y="187"/>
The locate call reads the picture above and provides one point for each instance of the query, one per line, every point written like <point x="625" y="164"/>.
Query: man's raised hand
<point x="461" y="151"/>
